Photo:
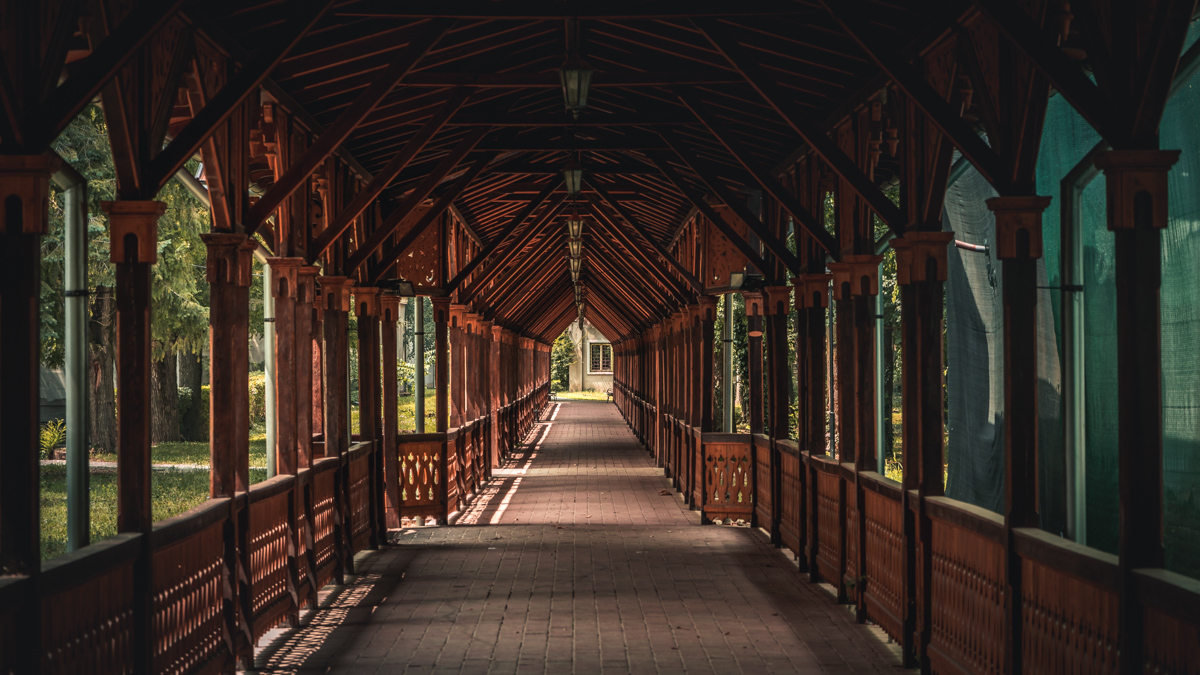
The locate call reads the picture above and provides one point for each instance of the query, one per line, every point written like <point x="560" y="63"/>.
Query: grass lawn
<point x="585" y="395"/>
<point x="172" y="492"/>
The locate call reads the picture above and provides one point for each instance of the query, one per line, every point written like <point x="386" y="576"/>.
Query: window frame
<point x="604" y="346"/>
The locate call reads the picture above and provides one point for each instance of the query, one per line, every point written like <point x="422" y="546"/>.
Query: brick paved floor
<point x="571" y="561"/>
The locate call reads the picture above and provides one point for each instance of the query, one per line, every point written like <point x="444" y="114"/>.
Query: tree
<point x="562" y="356"/>
<point x="179" y="320"/>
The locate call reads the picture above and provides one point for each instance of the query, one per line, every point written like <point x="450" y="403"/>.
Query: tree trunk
<point x="193" y="425"/>
<point x="102" y="403"/>
<point x="164" y="400"/>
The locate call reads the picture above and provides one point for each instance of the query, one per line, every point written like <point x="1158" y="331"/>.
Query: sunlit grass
<point x="171" y="492"/>
<point x="585" y="395"/>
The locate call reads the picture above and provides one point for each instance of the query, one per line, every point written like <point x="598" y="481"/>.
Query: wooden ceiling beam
<point x="763" y="177"/>
<point x="487" y="252"/>
<point x="414" y="199"/>
<point x="910" y="81"/>
<point x="813" y="135"/>
<point x="738" y="206"/>
<point x="711" y="214"/>
<point x="512" y="252"/>
<point x="550" y="10"/>
<point x="662" y="253"/>
<point x="246" y="81"/>
<point x="550" y="80"/>
<point x="1064" y="75"/>
<point x="393" y="253"/>
<point x="46" y="121"/>
<point x="336" y="133"/>
<point x="372" y="190"/>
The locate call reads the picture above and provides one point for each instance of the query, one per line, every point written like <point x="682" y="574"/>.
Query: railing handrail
<point x="190" y="522"/>
<point x="78" y="567"/>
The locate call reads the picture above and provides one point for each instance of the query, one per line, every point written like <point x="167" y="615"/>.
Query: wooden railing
<point x="194" y="593"/>
<point x="440" y="472"/>
<point x="860" y="532"/>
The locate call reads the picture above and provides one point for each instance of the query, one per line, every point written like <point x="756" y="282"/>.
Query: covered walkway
<point x="575" y="562"/>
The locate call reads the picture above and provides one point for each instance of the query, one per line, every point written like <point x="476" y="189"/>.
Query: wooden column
<point x="441" y="317"/>
<point x="336" y="300"/>
<point x="776" y="303"/>
<point x="317" y="400"/>
<point x="24" y="214"/>
<point x="1137" y="189"/>
<point x="1019" y="245"/>
<point x="706" y="322"/>
<point x="921" y="272"/>
<point x="228" y="272"/>
<point x="457" y="333"/>
<point x="811" y="298"/>
<point x="306" y="276"/>
<point x="133" y="236"/>
<point x="391" y="458"/>
<point x="284" y="287"/>
<point x="366" y="302"/>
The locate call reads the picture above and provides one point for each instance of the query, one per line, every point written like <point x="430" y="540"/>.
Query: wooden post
<point x="228" y="273"/>
<point x="811" y="297"/>
<point x="441" y="316"/>
<point x="133" y="227"/>
<point x="921" y="274"/>
<point x="303" y="333"/>
<point x="776" y="302"/>
<point x="284" y="288"/>
<point x="336" y="292"/>
<point x="391" y="456"/>
<point x="24" y="214"/>
<point x="1018" y="245"/>
<point x="456" y="370"/>
<point x="1137" y="213"/>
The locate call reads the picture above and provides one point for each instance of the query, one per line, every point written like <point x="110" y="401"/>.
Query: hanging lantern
<point x="573" y="177"/>
<point x="575" y="264"/>
<point x="575" y="76"/>
<point x="576" y="247"/>
<point x="575" y="277"/>
<point x="575" y="226"/>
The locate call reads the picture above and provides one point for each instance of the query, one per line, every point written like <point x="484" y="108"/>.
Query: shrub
<point x="258" y="398"/>
<point x="53" y="434"/>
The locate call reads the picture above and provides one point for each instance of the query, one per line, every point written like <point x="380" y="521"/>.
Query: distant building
<point x="593" y="367"/>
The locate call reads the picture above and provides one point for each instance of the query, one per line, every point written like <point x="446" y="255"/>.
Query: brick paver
<point x="571" y="561"/>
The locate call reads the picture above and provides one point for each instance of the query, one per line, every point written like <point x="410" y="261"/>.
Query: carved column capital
<point x="228" y="259"/>
<point x="915" y="250"/>
<point x="858" y="274"/>
<point x="1018" y="226"/>
<point x="389" y="306"/>
<point x="366" y="301"/>
<point x="335" y="292"/>
<point x="1137" y="187"/>
<point x="138" y="219"/>
<point x="812" y="290"/>
<point x="27" y="177"/>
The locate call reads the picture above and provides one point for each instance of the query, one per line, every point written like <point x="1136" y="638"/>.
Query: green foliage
<point x="171" y="493"/>
<point x="187" y="400"/>
<point x="179" y="292"/>
<point x="406" y="375"/>
<point x="258" y="397"/>
<point x="53" y="435"/>
<point x="562" y="355"/>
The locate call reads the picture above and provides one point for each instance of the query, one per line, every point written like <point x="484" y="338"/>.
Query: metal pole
<point x="879" y="351"/>
<point x="269" y="366"/>
<point x="419" y="363"/>
<point x="75" y="290"/>
<point x="727" y="368"/>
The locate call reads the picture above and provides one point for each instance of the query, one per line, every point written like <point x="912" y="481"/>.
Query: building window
<point x="600" y="358"/>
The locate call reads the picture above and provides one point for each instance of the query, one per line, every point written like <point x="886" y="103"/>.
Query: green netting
<point x="1181" y="333"/>
<point x="1066" y="139"/>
